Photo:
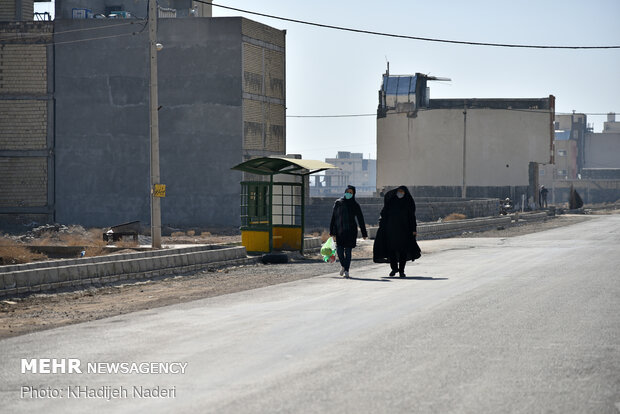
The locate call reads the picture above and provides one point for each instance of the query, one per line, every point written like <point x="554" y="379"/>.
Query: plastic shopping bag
<point x="328" y="250"/>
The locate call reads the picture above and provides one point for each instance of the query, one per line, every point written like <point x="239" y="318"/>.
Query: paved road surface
<point x="529" y="324"/>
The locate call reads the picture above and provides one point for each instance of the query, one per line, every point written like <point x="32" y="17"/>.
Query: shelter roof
<point x="282" y="165"/>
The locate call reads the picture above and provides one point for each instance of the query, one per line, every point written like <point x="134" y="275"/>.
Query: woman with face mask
<point x="343" y="227"/>
<point x="395" y="240"/>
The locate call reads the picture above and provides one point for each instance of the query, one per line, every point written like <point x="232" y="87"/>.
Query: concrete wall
<point x="319" y="210"/>
<point x="102" y="131"/>
<point x="26" y="123"/>
<point x="602" y="150"/>
<point x="591" y="191"/>
<point x="426" y="150"/>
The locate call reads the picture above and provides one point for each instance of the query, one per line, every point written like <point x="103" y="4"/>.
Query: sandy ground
<point x="24" y="314"/>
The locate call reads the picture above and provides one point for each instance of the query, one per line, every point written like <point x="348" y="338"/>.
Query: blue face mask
<point x="348" y="196"/>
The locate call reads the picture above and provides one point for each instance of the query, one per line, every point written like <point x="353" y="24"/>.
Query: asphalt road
<point x="529" y="324"/>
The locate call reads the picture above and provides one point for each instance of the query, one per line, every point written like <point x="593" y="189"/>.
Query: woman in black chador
<point x="343" y="227"/>
<point x="395" y="241"/>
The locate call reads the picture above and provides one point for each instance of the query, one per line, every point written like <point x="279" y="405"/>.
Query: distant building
<point x="354" y="170"/>
<point x="587" y="161"/>
<point x="602" y="151"/>
<point x="74" y="114"/>
<point x="67" y="9"/>
<point x="568" y="144"/>
<point x="460" y="147"/>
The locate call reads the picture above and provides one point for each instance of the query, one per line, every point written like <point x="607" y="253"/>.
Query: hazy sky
<point x="331" y="72"/>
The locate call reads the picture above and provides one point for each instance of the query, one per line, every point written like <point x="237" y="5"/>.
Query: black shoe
<point x="402" y="274"/>
<point x="393" y="272"/>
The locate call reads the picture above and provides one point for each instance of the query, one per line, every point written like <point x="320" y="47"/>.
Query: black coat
<point x="396" y="226"/>
<point x="343" y="224"/>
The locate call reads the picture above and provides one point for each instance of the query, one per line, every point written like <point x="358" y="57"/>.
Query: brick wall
<point x="7" y="10"/>
<point x="27" y="10"/>
<point x="23" y="181"/>
<point x="23" y="124"/>
<point x="10" y="11"/>
<point x="23" y="68"/>
<point x="264" y="92"/>
<point x="25" y="101"/>
<point x="262" y="32"/>
<point x="253" y="125"/>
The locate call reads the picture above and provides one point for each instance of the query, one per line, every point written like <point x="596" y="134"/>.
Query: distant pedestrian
<point x="396" y="237"/>
<point x="343" y="227"/>
<point x="542" y="200"/>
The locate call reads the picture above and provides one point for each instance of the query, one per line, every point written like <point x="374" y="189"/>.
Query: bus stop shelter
<point x="272" y="212"/>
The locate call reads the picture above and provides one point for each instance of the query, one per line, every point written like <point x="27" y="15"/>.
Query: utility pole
<point x="154" y="128"/>
<point x="464" y="186"/>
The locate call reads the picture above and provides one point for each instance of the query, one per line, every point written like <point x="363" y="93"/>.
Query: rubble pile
<point x="52" y="234"/>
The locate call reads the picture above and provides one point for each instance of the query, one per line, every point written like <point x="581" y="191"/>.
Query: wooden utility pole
<point x="154" y="128"/>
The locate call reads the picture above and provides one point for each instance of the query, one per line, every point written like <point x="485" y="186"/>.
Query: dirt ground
<point x="29" y="313"/>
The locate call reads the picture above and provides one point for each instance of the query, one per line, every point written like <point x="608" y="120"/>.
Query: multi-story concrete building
<point x="602" y="149"/>
<point x="569" y="138"/>
<point x="353" y="169"/>
<point x="222" y="100"/>
<point x="584" y="160"/>
<point x="460" y="147"/>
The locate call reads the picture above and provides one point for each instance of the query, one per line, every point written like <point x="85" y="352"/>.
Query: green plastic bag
<point x="328" y="250"/>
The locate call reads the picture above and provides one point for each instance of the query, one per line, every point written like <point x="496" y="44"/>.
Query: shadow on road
<point x="362" y="279"/>
<point x="414" y="278"/>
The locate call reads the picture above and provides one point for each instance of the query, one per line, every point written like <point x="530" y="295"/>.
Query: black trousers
<point x="398" y="260"/>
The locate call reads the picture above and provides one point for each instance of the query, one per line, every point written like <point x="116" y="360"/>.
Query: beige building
<point x="602" y="149"/>
<point x="460" y="147"/>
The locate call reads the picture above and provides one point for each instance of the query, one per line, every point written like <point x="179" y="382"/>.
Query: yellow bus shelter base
<point x="284" y="238"/>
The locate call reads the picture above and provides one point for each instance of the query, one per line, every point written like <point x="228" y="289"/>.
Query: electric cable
<point x="425" y="39"/>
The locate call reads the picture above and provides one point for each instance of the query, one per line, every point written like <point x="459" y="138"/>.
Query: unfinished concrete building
<point x="460" y="147"/>
<point x="222" y="94"/>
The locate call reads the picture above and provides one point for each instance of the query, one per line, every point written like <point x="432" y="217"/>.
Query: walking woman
<point x="343" y="227"/>
<point x="395" y="241"/>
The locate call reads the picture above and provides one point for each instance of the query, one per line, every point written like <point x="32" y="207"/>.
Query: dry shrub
<point x="95" y="237"/>
<point x="178" y="234"/>
<point x="127" y="243"/>
<point x="191" y="233"/>
<point x="69" y="239"/>
<point x="96" y="251"/>
<point x="12" y="252"/>
<point x="46" y="239"/>
<point x="455" y="216"/>
<point x="205" y="233"/>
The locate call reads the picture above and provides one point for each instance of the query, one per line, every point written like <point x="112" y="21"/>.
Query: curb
<point x="65" y="273"/>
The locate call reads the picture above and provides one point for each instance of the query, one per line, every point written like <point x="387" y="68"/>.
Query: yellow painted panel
<point x="287" y="238"/>
<point x="255" y="241"/>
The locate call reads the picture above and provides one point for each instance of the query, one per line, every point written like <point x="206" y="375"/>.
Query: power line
<point x="21" y="35"/>
<point x="425" y="39"/>
<point x="141" y="22"/>
<point x="96" y="38"/>
<point x="469" y="107"/>
<point x="330" y="116"/>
